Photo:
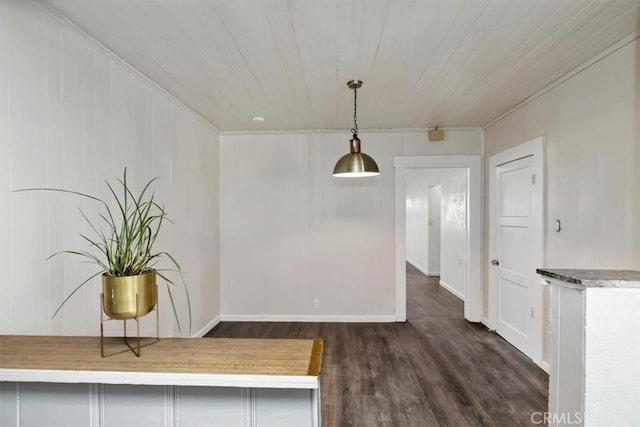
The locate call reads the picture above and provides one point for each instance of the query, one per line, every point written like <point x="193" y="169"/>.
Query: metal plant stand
<point x="135" y="348"/>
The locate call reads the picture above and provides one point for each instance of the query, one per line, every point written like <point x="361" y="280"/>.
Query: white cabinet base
<point x="110" y="405"/>
<point x="594" y="356"/>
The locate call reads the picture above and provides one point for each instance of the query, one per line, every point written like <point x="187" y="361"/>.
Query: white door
<point x="516" y="247"/>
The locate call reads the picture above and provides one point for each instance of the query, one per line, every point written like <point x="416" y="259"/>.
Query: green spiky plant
<point x="125" y="247"/>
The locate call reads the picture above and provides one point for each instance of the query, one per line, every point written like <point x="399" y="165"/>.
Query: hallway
<point x="434" y="370"/>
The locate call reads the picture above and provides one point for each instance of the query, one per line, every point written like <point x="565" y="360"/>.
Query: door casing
<point x="473" y="267"/>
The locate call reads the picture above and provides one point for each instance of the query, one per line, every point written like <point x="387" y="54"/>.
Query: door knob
<point x="495" y="262"/>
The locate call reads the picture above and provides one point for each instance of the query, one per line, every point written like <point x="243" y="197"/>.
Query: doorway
<point x="436" y="224"/>
<point x="472" y="237"/>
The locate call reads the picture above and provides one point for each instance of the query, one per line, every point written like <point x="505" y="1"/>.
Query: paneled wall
<point x="417" y="231"/>
<point x="34" y="404"/>
<point x="291" y="233"/>
<point x="591" y="124"/>
<point x="72" y="115"/>
<point x="454" y="232"/>
<point x="434" y="211"/>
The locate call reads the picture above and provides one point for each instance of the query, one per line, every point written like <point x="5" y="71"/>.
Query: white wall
<point x="292" y="233"/>
<point x="453" y="236"/>
<point x="434" y="225"/>
<point x="423" y="207"/>
<point x="72" y="115"/>
<point x="417" y="216"/>
<point x="591" y="123"/>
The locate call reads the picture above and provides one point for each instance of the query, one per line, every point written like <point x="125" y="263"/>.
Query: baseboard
<point x="418" y="267"/>
<point x="452" y="290"/>
<point x="307" y="318"/>
<point x="545" y="367"/>
<point x="206" y="328"/>
<point x="433" y="273"/>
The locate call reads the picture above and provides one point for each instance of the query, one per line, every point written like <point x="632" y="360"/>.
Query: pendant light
<point x="355" y="164"/>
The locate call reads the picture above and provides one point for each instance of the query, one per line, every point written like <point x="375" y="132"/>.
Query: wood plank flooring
<point x="434" y="370"/>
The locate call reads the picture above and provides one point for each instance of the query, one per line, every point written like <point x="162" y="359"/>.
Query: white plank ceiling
<point x="424" y="63"/>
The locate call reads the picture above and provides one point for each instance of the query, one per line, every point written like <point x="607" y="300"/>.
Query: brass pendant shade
<point x="355" y="164"/>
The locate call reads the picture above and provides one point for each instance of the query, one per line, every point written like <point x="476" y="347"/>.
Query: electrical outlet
<point x="316" y="304"/>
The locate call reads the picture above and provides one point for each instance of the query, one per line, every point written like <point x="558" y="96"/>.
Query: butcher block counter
<point x="46" y="380"/>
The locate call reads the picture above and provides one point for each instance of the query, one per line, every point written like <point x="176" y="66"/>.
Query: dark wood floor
<point x="434" y="370"/>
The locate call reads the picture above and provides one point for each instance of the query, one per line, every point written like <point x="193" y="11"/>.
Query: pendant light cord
<point x="354" y="130"/>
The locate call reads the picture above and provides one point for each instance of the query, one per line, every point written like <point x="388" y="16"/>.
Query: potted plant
<point x="123" y="250"/>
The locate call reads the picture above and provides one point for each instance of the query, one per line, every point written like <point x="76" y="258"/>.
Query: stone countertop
<point x="594" y="278"/>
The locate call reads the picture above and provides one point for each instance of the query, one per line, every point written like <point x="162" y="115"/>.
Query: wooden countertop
<point x="233" y="362"/>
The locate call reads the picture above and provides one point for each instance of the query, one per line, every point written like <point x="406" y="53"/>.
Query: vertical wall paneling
<point x="434" y="224"/>
<point x="147" y="408"/>
<point x="635" y="190"/>
<point x="194" y="192"/>
<point x="454" y="232"/>
<point x="5" y="168"/>
<point x="225" y="407"/>
<point x="632" y="175"/>
<point x="37" y="404"/>
<point x="57" y="404"/>
<point x="417" y="227"/>
<point x="72" y="175"/>
<point x="27" y="50"/>
<point x="308" y="235"/>
<point x="9" y="406"/>
<point x="171" y="405"/>
<point x="54" y="157"/>
<point x="248" y="408"/>
<point x="268" y="190"/>
<point x="73" y="115"/>
<point x="592" y="137"/>
<point x="87" y="53"/>
<point x="293" y="405"/>
<point x="95" y="404"/>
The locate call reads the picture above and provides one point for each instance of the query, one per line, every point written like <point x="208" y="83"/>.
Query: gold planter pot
<point x="121" y="293"/>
